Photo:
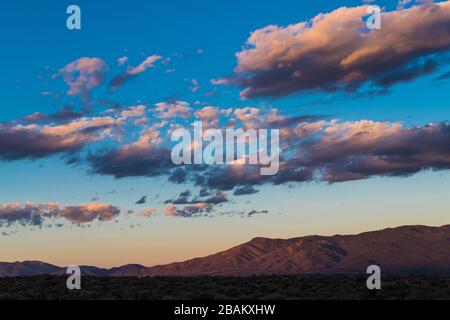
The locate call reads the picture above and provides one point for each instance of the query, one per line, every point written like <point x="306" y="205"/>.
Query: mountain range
<point x="402" y="250"/>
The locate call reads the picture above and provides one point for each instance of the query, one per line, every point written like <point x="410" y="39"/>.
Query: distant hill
<point x="26" y="268"/>
<point x="402" y="250"/>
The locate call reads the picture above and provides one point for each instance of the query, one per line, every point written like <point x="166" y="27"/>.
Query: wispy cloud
<point x="118" y="81"/>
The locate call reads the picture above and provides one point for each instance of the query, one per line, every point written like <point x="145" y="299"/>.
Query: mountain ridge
<point x="404" y="249"/>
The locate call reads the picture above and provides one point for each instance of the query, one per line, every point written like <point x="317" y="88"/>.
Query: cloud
<point x="26" y="214"/>
<point x="183" y="198"/>
<point x="122" y="60"/>
<point x="37" y="141"/>
<point x="218" y="198"/>
<point x="65" y="114"/>
<point x="244" y="190"/>
<point x="118" y="81"/>
<point x="35" y="214"/>
<point x="185" y="206"/>
<point x="333" y="151"/>
<point x="33" y="118"/>
<point x="87" y="213"/>
<point x="256" y="212"/>
<point x="211" y="115"/>
<point x="335" y="51"/>
<point x="359" y="150"/>
<point x="142" y="200"/>
<point x="195" y="85"/>
<point x="176" y="109"/>
<point x="282" y="122"/>
<point x="312" y="149"/>
<point x="188" y="211"/>
<point x="147" y="213"/>
<point x="83" y="75"/>
<point x="442" y="77"/>
<point x="172" y="211"/>
<point x="137" y="112"/>
<point x="141" y="158"/>
<point x="178" y="176"/>
<point x="133" y="111"/>
<point x="402" y="4"/>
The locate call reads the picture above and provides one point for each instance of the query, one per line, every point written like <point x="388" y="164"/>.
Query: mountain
<point x="26" y="268"/>
<point x="129" y="270"/>
<point x="85" y="271"/>
<point x="406" y="249"/>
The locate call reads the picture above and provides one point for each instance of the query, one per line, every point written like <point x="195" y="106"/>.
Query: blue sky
<point x="199" y="40"/>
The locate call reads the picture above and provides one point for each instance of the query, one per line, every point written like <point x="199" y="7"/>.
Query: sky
<point x="87" y="115"/>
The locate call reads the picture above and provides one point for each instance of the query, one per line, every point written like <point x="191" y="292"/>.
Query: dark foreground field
<point x="251" y="288"/>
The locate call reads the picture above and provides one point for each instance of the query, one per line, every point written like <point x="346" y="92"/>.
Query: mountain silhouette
<point x="401" y="250"/>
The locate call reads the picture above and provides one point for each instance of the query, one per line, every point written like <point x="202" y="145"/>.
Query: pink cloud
<point x="35" y="214"/>
<point x="176" y="109"/>
<point x="83" y="75"/>
<point x="335" y="51"/>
